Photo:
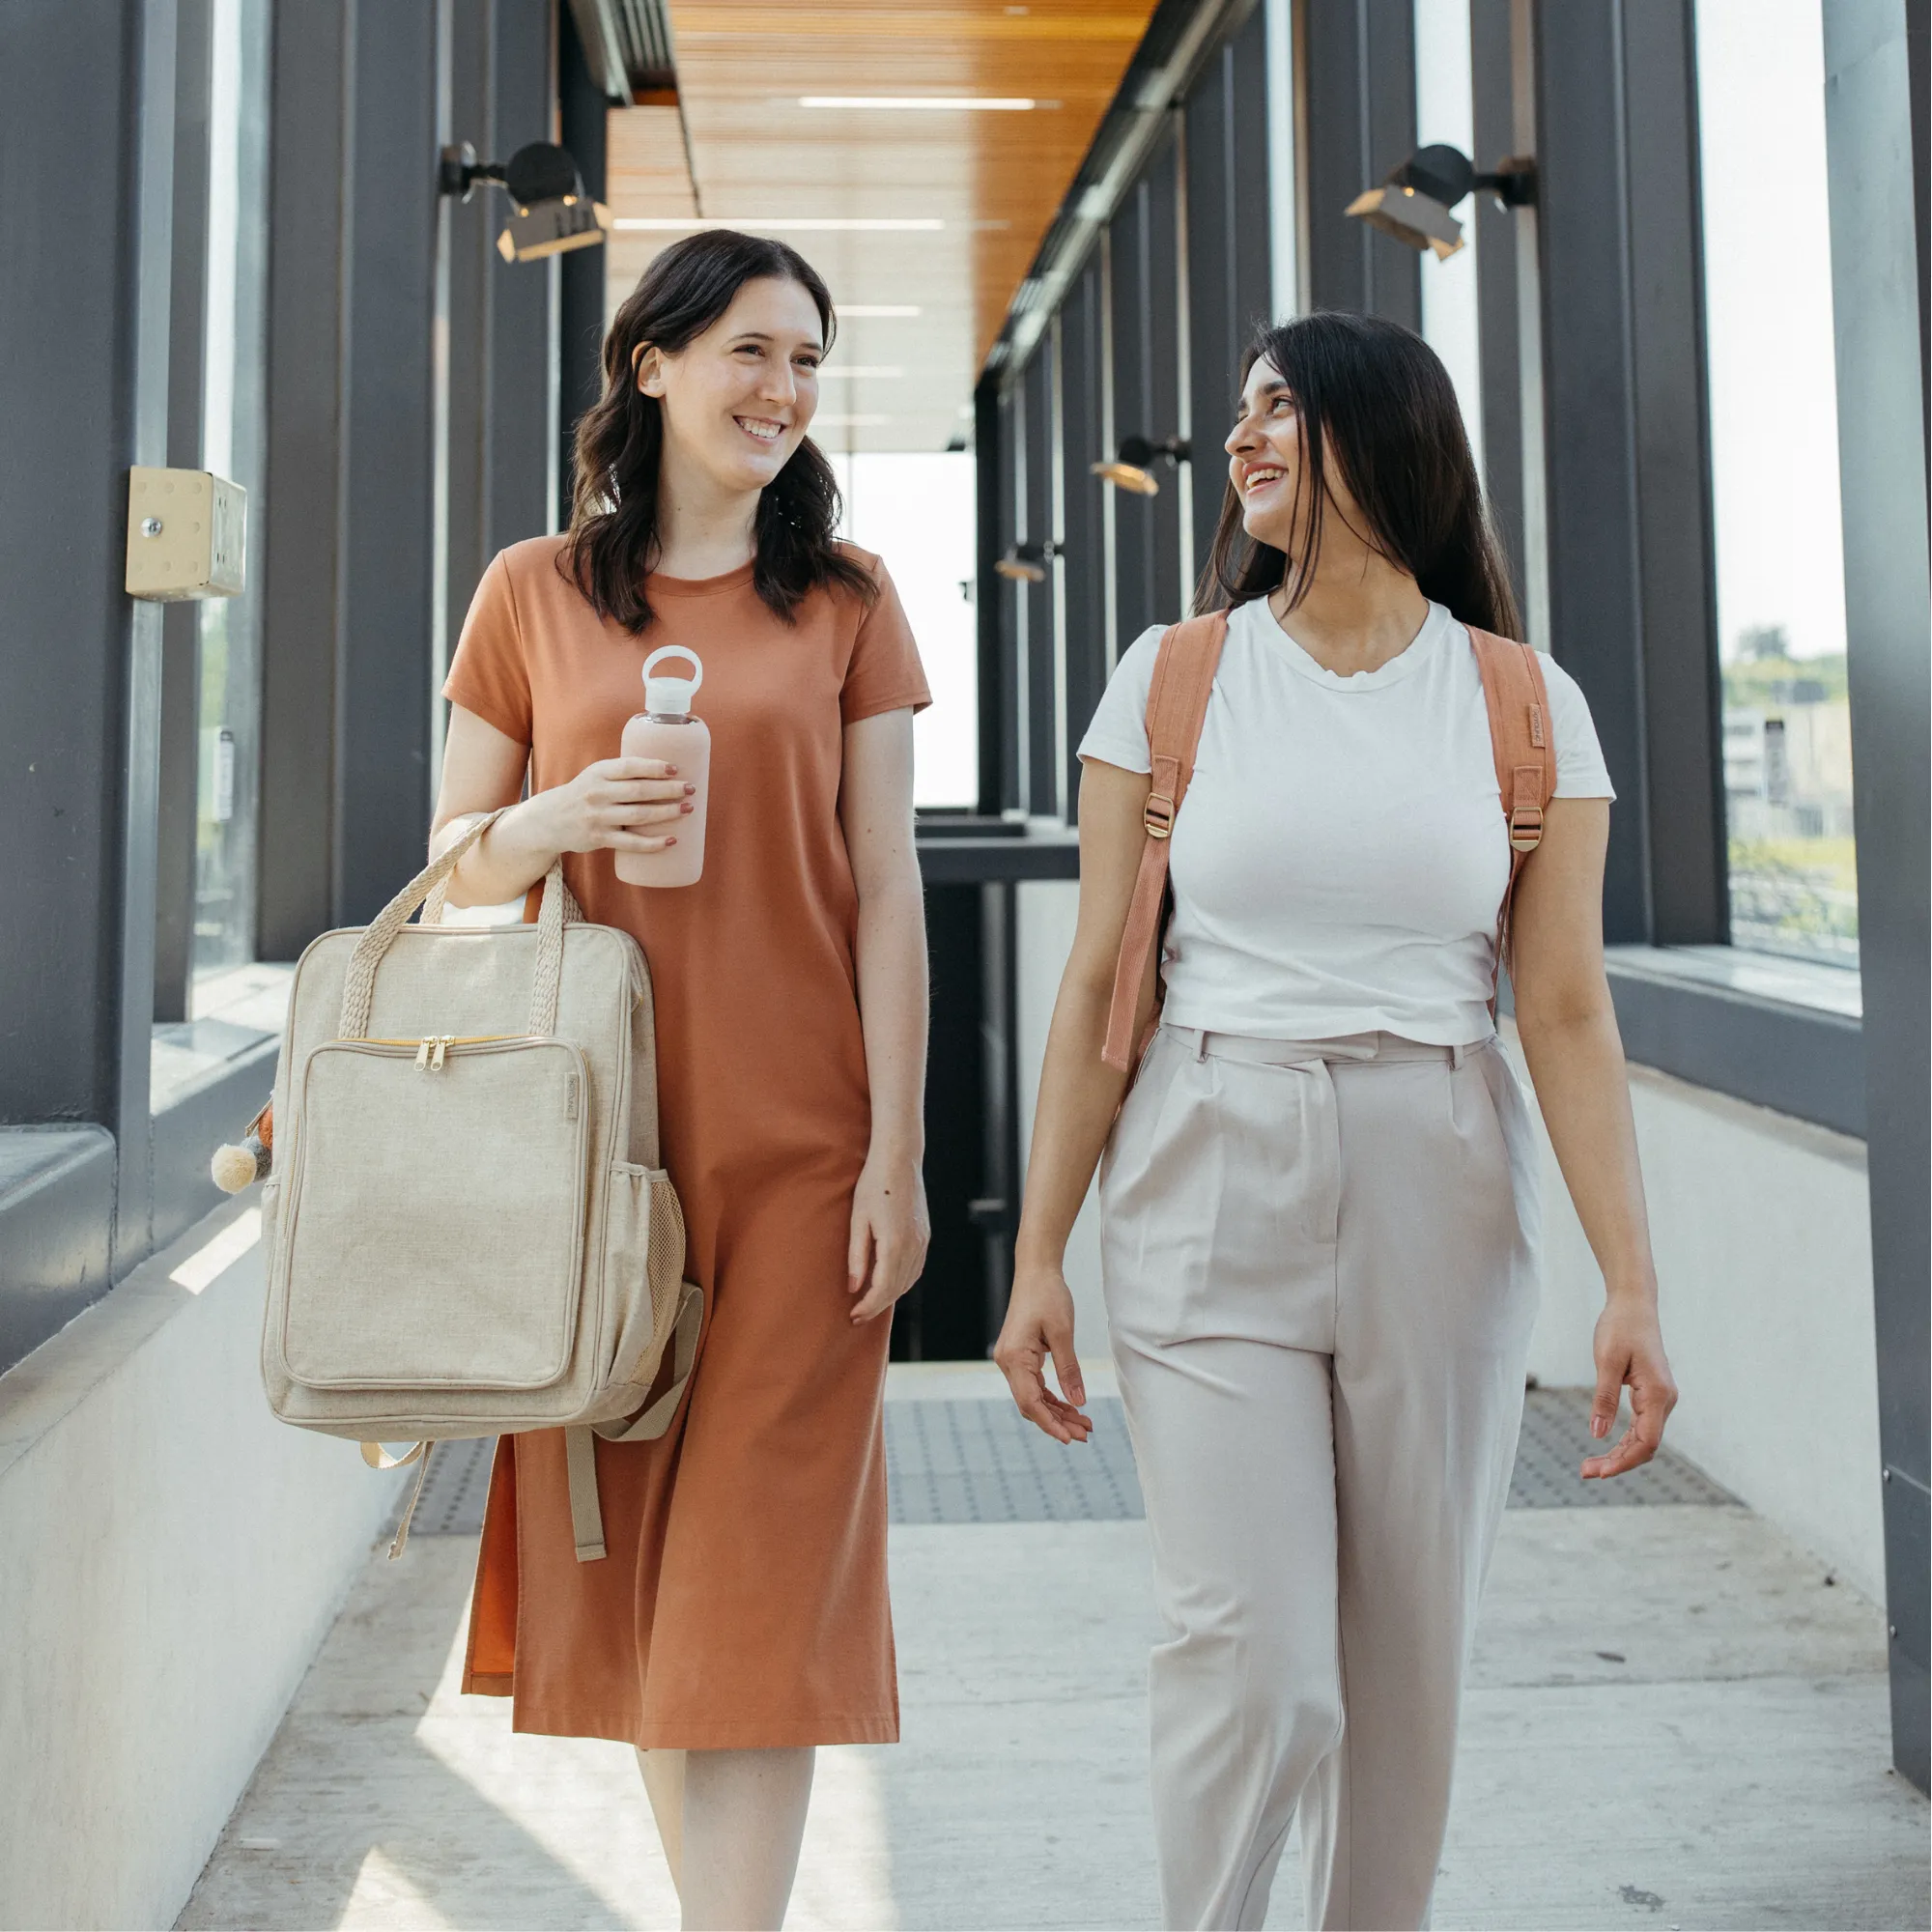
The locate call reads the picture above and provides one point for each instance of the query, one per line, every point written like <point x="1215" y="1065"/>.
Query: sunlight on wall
<point x="916" y="511"/>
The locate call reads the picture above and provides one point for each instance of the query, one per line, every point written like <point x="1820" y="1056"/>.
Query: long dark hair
<point x="1376" y="398"/>
<point x="614" y="507"/>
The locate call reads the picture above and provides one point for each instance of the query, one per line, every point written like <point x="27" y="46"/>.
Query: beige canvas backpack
<point x="468" y="1231"/>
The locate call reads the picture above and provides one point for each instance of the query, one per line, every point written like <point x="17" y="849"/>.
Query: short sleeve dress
<point x="743" y="1602"/>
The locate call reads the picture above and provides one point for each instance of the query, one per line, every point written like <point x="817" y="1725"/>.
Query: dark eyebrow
<point x="1269" y="390"/>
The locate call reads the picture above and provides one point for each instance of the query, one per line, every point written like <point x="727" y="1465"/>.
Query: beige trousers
<point x="1320" y="1270"/>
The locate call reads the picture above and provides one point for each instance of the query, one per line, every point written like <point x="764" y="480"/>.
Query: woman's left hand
<point x="1630" y="1355"/>
<point x="890" y="1230"/>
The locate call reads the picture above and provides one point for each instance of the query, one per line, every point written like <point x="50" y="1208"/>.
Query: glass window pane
<point x="1787" y="741"/>
<point x="232" y="371"/>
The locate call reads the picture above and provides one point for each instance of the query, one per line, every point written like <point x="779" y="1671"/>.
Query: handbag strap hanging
<point x="358" y="985"/>
<point x="1177" y="694"/>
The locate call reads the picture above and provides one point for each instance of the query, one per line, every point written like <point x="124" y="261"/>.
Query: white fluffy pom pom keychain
<point x="234" y="1167"/>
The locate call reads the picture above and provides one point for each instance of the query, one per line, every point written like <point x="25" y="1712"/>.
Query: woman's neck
<point x="1360" y="612"/>
<point x="703" y="531"/>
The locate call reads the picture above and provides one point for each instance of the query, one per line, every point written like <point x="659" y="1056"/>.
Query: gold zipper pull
<point x="422" y="1053"/>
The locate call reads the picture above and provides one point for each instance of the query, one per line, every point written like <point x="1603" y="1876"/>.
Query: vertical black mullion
<point x="1012" y="616"/>
<point x="1490" y="61"/>
<point x="1678" y="624"/>
<point x="473" y="263"/>
<point x="584" y="111"/>
<point x="521" y="365"/>
<point x="1133" y="414"/>
<point x="311" y="268"/>
<point x="1042" y="749"/>
<point x="988" y="598"/>
<point x="181" y="623"/>
<point x="1212" y="246"/>
<point x="1085" y="562"/>
<point x="87" y="99"/>
<point x="1595" y="564"/>
<point x="1359" y="90"/>
<point x="382" y="706"/>
<point x="1164" y="373"/>
<point x="1871" y="67"/>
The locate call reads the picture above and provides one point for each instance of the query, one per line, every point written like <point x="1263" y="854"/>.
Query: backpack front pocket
<point x="422" y="1245"/>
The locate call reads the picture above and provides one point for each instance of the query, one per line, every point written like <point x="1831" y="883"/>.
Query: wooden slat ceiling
<point x="993" y="180"/>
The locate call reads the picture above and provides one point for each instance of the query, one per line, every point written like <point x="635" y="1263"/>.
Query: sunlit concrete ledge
<point x="174" y="1556"/>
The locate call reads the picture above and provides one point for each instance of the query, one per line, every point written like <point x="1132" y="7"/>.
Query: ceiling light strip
<point x="777" y="224"/>
<point x="961" y="103"/>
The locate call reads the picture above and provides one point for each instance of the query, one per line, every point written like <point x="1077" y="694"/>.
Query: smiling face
<point x="1264" y="458"/>
<point x="738" y="398"/>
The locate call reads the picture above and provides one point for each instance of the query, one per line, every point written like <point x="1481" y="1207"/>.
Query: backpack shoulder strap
<point x="1524" y="748"/>
<point x="1183" y="677"/>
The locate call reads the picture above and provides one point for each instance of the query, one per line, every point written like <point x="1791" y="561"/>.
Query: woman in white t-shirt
<point x="1319" y="1215"/>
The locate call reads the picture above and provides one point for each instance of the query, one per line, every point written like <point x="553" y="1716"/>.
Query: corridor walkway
<point x="1676" y="1719"/>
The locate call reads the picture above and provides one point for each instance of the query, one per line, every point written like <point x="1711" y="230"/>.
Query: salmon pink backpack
<point x="1183" y="676"/>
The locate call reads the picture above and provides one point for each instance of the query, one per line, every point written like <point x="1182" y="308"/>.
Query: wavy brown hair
<point x="613" y="541"/>
<point x="1373" y="398"/>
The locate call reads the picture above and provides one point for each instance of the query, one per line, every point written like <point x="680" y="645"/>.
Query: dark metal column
<point x="520" y="414"/>
<point x="1081" y="374"/>
<point x="582" y="109"/>
<point x="1497" y="284"/>
<point x="1145" y="299"/>
<point x="1043" y="751"/>
<point x="1878" y="281"/>
<point x="989" y="463"/>
<point x="1229" y="258"/>
<point x="87" y="101"/>
<point x="1358" y="90"/>
<point x="1631" y="598"/>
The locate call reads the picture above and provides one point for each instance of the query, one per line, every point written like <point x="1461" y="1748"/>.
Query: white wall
<point x="1763" y="1252"/>
<point x="1759" y="1225"/>
<point x="173" y="1559"/>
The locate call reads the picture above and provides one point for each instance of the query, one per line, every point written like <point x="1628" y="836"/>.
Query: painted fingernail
<point x="670" y="842"/>
<point x="671" y="771"/>
<point x="687" y="806"/>
<point x="689" y="791"/>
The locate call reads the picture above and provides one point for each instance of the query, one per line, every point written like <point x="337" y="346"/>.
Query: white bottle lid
<point x="671" y="696"/>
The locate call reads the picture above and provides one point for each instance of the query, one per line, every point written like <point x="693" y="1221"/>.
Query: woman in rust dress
<point x="741" y="1615"/>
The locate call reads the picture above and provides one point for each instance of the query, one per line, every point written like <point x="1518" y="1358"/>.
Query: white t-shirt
<point x="1341" y="854"/>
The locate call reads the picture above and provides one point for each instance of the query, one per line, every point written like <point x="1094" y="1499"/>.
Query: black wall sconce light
<point x="1413" y="205"/>
<point x="548" y="211"/>
<point x="1026" y="562"/>
<point x="1133" y="468"/>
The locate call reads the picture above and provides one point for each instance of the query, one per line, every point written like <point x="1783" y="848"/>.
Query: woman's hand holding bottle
<point x="617" y="805"/>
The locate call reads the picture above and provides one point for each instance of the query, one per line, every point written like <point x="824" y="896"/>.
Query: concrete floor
<point x="1674" y="1721"/>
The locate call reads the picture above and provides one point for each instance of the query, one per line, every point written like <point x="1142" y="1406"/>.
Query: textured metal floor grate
<point x="1556" y="1436"/>
<point x="969" y="1461"/>
<point x="982" y="1461"/>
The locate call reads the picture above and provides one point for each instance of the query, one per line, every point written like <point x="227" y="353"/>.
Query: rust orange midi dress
<point x="743" y="1602"/>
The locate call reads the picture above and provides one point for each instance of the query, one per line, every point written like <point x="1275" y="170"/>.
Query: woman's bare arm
<point x="1079" y="1095"/>
<point x="604" y="807"/>
<point x="890" y="1225"/>
<point x="1568" y="1032"/>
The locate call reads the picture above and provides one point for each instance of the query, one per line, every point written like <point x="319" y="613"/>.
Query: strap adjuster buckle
<point x="1525" y="828"/>
<point x="1157" y="815"/>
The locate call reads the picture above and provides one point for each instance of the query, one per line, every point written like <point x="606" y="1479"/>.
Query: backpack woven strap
<point x="1177" y="694"/>
<point x="586" y="1518"/>
<point x="1524" y="746"/>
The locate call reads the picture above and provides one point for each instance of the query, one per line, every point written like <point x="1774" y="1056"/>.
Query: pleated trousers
<point x="1319" y="1261"/>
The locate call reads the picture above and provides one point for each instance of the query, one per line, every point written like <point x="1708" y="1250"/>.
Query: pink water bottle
<point x="666" y="729"/>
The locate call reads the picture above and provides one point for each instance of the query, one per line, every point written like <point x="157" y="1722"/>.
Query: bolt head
<point x="151" y="527"/>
